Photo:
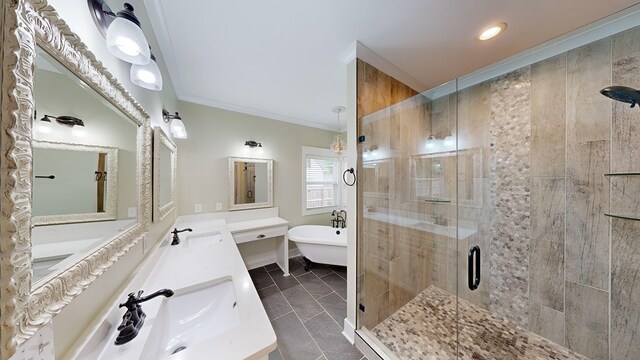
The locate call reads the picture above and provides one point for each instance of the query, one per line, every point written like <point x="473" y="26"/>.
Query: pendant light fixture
<point x="338" y="145"/>
<point x="125" y="39"/>
<point x="147" y="76"/>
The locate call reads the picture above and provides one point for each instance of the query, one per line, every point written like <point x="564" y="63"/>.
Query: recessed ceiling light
<point x="492" y="31"/>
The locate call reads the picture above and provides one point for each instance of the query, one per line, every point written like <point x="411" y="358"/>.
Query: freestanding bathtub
<point x="321" y="244"/>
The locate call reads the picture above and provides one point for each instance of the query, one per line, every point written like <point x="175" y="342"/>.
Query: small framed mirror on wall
<point x="250" y="183"/>
<point x="165" y="161"/>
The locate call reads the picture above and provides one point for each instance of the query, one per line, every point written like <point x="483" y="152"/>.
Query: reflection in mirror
<point x="71" y="179"/>
<point x="165" y="176"/>
<point x="250" y="183"/>
<point x="84" y="170"/>
<point x="165" y="158"/>
<point x="431" y="176"/>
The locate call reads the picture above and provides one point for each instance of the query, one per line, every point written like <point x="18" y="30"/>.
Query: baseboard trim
<point x="349" y="331"/>
<point x="254" y="262"/>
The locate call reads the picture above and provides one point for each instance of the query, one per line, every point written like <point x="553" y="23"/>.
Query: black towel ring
<point x="344" y="176"/>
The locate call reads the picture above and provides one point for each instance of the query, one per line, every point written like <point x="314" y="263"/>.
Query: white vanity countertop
<point x="196" y="260"/>
<point x="256" y="224"/>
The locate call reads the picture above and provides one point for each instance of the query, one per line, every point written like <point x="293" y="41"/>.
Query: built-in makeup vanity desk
<point x="261" y="229"/>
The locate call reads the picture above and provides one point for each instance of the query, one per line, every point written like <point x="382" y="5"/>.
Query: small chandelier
<point x="338" y="145"/>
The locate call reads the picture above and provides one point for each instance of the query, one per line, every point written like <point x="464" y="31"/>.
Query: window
<point x="322" y="190"/>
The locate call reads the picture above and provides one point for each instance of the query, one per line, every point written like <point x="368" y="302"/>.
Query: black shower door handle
<point x="474" y="264"/>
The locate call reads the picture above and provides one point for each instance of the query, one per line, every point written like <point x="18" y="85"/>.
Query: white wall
<point x="74" y="319"/>
<point x="352" y="134"/>
<point x="216" y="134"/>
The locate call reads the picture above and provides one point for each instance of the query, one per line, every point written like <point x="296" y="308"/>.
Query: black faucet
<point x="133" y="319"/>
<point x="175" y="232"/>
<point x="338" y="221"/>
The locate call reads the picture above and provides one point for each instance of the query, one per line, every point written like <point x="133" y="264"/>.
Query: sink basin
<point x="201" y="239"/>
<point x="192" y="315"/>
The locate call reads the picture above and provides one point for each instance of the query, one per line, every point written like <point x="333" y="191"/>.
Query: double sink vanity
<point x="214" y="312"/>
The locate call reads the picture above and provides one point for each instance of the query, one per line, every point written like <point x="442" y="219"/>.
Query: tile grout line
<point x="324" y="310"/>
<point x="301" y="322"/>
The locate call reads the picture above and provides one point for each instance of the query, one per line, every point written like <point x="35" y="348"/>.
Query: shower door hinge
<point x="361" y="307"/>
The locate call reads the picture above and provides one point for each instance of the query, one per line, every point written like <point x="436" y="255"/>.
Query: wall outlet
<point x="132" y="211"/>
<point x="198" y="208"/>
<point x="218" y="206"/>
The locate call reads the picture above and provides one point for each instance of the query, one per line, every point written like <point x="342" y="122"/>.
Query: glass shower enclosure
<point x="499" y="219"/>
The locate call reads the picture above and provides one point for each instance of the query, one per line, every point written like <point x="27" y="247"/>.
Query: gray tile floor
<point x="307" y="310"/>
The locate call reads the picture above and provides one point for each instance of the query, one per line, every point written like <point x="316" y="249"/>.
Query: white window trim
<point x="321" y="152"/>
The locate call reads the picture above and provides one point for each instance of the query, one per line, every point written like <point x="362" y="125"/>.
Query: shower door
<point x="407" y="255"/>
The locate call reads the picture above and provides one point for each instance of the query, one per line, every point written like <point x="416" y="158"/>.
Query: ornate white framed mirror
<point x="250" y="183"/>
<point x="32" y="30"/>
<point x="165" y="162"/>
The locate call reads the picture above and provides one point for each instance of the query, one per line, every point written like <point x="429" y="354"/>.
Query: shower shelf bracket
<point x="625" y="217"/>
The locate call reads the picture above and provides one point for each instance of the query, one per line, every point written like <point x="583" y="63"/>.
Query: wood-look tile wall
<point x="394" y="262"/>
<point x="552" y="262"/>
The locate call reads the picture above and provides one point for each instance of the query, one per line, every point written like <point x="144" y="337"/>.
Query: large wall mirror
<point x="76" y="169"/>
<point x="250" y="183"/>
<point x="165" y="161"/>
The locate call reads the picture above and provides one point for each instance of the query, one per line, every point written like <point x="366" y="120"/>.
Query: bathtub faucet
<point x="338" y="220"/>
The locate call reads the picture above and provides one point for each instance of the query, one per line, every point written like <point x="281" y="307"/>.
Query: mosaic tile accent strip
<point x="425" y="328"/>
<point x="510" y="136"/>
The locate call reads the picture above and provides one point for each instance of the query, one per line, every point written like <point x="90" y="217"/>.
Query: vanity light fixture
<point x="177" y="126"/>
<point x="147" y="76"/>
<point x="492" y="31"/>
<point x="68" y="121"/>
<point x="338" y="145"/>
<point x="254" y="144"/>
<point x="125" y="39"/>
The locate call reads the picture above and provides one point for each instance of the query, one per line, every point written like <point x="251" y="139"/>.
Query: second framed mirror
<point x="165" y="161"/>
<point x="250" y="183"/>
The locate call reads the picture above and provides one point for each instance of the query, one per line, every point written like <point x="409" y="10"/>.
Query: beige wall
<point x="216" y="134"/>
<point x="70" y="324"/>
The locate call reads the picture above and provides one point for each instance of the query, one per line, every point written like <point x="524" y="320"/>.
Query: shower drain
<point x="178" y="349"/>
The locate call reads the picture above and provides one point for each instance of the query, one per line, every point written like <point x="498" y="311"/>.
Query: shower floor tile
<point x="425" y="328"/>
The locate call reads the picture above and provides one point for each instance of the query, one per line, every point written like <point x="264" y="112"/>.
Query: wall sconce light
<point x="177" y="126"/>
<point x="126" y="41"/>
<point x="68" y="121"/>
<point x="147" y="76"/>
<point x="254" y="144"/>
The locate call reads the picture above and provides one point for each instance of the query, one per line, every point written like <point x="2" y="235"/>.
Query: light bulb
<point x="127" y="46"/>
<point x="492" y="31"/>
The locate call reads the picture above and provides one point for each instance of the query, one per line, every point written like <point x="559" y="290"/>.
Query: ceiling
<point x="281" y="59"/>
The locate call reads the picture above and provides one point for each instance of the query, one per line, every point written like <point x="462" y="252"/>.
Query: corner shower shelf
<point x="623" y="174"/>
<point x="625" y="217"/>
